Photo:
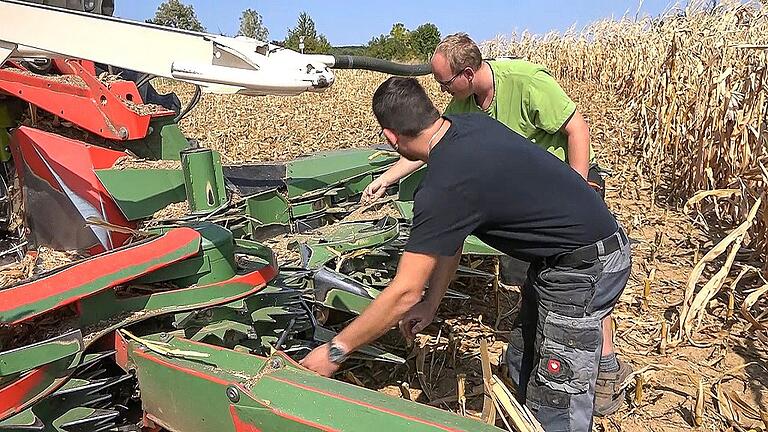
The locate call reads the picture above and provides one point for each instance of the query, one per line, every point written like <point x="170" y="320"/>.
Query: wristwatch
<point x="337" y="353"/>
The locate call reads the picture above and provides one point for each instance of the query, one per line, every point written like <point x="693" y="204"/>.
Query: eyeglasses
<point x="448" y="83"/>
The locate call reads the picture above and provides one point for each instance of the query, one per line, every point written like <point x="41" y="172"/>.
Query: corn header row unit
<point x="188" y="321"/>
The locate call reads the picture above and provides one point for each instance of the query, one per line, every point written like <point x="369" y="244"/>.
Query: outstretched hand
<point x="417" y="319"/>
<point x="374" y="190"/>
<point x="319" y="361"/>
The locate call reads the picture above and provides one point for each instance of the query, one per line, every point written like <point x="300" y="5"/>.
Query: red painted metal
<point x="88" y="271"/>
<point x="15" y="395"/>
<point x="16" y="392"/>
<point x="92" y="105"/>
<point x="52" y="157"/>
<point x="120" y="345"/>
<point x="303" y="421"/>
<point x="241" y="426"/>
<point x="61" y="66"/>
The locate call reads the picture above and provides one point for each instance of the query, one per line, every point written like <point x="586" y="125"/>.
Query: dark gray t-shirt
<point x="485" y="179"/>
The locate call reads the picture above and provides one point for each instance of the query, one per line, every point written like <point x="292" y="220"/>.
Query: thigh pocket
<point x="565" y="288"/>
<point x="568" y="353"/>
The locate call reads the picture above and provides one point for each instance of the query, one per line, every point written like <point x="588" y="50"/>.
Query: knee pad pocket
<point x="568" y="353"/>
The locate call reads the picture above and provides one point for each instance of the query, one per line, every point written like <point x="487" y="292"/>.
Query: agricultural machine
<point x="181" y="321"/>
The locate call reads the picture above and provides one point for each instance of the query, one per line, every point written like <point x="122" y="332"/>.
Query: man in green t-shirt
<point x="523" y="96"/>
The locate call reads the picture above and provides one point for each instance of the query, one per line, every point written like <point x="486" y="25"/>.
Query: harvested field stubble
<point x="695" y="81"/>
<point x="677" y="110"/>
<point x="281" y="128"/>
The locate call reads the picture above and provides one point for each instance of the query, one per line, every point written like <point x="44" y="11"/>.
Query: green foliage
<point x="252" y="26"/>
<point x="403" y="44"/>
<point x="424" y="40"/>
<point x="356" y="50"/>
<point x="173" y="13"/>
<point x="314" y="43"/>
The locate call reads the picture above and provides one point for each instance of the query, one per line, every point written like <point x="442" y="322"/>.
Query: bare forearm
<point x="380" y="316"/>
<point x="400" y="169"/>
<point x="577" y="132"/>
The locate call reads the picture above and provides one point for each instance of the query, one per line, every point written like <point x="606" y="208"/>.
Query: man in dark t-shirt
<point x="485" y="179"/>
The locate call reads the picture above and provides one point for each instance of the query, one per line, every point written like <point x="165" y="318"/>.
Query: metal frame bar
<point x="217" y="63"/>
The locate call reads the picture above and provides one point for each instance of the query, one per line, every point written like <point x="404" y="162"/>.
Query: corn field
<point x="695" y="79"/>
<point x="677" y="108"/>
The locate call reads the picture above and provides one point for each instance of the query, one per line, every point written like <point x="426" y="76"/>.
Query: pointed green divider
<point x="215" y="262"/>
<point x="221" y="390"/>
<point x="31" y="356"/>
<point x="88" y="277"/>
<point x="139" y="193"/>
<point x="310" y="174"/>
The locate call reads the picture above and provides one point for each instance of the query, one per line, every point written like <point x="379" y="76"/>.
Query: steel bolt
<point x="275" y="363"/>
<point x="122" y="133"/>
<point x="233" y="394"/>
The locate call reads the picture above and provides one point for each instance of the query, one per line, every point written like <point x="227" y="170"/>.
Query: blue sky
<point x="355" y="22"/>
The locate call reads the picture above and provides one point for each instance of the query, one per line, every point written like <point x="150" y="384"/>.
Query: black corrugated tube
<point x="379" y="65"/>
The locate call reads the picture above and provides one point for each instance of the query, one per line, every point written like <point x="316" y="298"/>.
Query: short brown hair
<point x="461" y="52"/>
<point x="402" y="105"/>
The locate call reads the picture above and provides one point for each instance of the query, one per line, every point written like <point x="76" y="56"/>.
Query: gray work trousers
<point x="554" y="350"/>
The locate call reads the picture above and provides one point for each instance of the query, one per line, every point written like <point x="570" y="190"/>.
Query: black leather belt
<point x="591" y="253"/>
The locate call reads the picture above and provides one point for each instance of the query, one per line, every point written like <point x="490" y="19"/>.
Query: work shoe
<point x="609" y="394"/>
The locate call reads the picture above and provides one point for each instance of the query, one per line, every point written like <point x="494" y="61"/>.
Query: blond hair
<point x="460" y="51"/>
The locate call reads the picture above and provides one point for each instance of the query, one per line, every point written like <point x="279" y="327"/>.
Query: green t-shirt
<point x="529" y="101"/>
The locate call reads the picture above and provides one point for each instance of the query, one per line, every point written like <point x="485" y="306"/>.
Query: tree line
<point x="399" y="44"/>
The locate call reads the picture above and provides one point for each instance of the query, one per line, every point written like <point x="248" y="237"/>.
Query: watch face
<point x="336" y="354"/>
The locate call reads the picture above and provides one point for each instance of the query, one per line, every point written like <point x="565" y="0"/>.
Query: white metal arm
<point x="218" y="64"/>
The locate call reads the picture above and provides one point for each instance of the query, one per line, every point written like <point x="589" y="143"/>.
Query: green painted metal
<point x="407" y="187"/>
<point x="32" y="356"/>
<point x="100" y="312"/>
<point x="268" y="208"/>
<point x="107" y="305"/>
<point x="347" y="237"/>
<point x="475" y="246"/>
<point x="314" y="174"/>
<point x="214" y="263"/>
<point x="9" y="117"/>
<point x="318" y="400"/>
<point x="197" y="400"/>
<point x="107" y="278"/>
<point x="164" y="141"/>
<point x="271" y="394"/>
<point x="203" y="179"/>
<point x="139" y="193"/>
<point x="40" y="382"/>
<point x="350" y="188"/>
<point x="310" y="207"/>
<point x="25" y="420"/>
<point x="346" y="301"/>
